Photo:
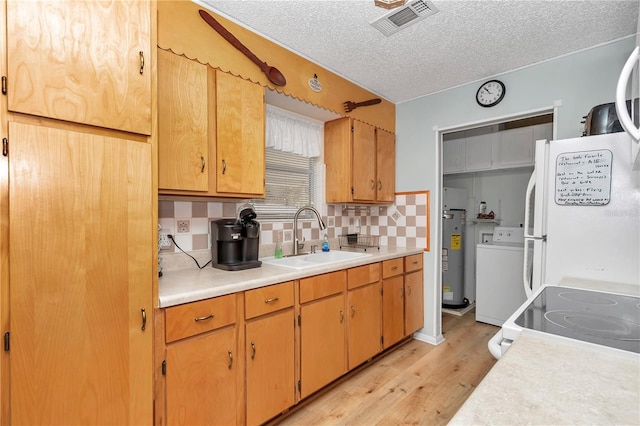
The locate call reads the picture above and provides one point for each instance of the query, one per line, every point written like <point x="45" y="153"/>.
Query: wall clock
<point x="490" y="93"/>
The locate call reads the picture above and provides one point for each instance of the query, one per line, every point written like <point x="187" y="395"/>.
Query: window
<point x="293" y="157"/>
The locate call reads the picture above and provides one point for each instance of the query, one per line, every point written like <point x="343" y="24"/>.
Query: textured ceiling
<point x="465" y="41"/>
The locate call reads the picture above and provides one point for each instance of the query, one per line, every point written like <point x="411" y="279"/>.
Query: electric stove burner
<point x="611" y="320"/>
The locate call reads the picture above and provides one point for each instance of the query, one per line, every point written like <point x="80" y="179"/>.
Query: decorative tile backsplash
<point x="403" y="224"/>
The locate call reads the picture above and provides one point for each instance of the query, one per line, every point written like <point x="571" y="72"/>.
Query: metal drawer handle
<point x="394" y="268"/>
<point x="224" y="166"/>
<point x="353" y="311"/>
<point x="141" y="62"/>
<point x="373" y="184"/>
<point x="409" y="287"/>
<point x="379" y="185"/>
<point x="144" y="319"/>
<point x="203" y="163"/>
<point x="341" y="316"/>
<point x="208" y="317"/>
<point x="274" y="299"/>
<point x="230" y="360"/>
<point x="253" y="350"/>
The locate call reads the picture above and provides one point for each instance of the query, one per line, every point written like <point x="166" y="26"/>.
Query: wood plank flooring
<point x="417" y="384"/>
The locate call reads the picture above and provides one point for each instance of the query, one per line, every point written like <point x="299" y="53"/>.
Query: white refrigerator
<point x="583" y="213"/>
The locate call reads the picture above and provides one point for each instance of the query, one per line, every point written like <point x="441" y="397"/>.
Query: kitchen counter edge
<point x="191" y="285"/>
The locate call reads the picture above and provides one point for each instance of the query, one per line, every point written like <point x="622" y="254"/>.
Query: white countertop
<point x="189" y="285"/>
<point x="546" y="382"/>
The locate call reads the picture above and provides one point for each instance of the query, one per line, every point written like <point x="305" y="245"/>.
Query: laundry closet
<point x="490" y="165"/>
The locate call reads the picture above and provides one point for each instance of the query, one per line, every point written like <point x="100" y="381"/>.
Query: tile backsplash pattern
<point x="403" y="224"/>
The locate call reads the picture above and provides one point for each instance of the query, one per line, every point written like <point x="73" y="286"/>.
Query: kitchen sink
<point x="309" y="260"/>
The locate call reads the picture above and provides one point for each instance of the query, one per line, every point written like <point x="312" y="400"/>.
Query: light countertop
<point x="548" y="382"/>
<point x="189" y="285"/>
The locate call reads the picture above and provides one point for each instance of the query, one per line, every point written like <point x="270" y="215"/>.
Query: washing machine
<point x="499" y="272"/>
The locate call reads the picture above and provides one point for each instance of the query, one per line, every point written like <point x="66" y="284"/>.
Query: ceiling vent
<point x="402" y="17"/>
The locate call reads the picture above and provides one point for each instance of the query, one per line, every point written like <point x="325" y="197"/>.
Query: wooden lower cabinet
<point x="201" y="379"/>
<point x="270" y="366"/>
<point x="279" y="344"/>
<point x="413" y="302"/>
<point x="80" y="277"/>
<point x="323" y="355"/>
<point x="392" y="311"/>
<point x="364" y="323"/>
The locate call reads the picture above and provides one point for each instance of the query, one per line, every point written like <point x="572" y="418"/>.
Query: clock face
<point x="490" y="93"/>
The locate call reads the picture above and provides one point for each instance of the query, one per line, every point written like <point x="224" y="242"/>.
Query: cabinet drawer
<point x="413" y="262"/>
<point x="268" y="299"/>
<point x="392" y="267"/>
<point x="198" y="317"/>
<point x="320" y="286"/>
<point x="362" y="275"/>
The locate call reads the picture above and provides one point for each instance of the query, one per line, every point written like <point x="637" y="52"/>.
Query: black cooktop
<point x="611" y="320"/>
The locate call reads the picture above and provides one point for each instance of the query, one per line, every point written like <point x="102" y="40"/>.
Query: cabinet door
<point x="201" y="380"/>
<point x="240" y="141"/>
<point x="364" y="161"/>
<point x="81" y="61"/>
<point x="183" y="162"/>
<point x="392" y="311"/>
<point x="478" y="149"/>
<point x="322" y="343"/>
<point x="386" y="166"/>
<point x="80" y="275"/>
<point x="364" y="323"/>
<point x="516" y="147"/>
<point x="413" y="302"/>
<point x="270" y="366"/>
<point x="453" y="155"/>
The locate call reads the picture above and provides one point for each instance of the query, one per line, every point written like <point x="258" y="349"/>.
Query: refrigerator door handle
<point x="526" y="281"/>
<point x="527" y="203"/>
<point x="621" y="90"/>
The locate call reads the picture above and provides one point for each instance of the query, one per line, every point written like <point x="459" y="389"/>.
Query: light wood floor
<point x="417" y="384"/>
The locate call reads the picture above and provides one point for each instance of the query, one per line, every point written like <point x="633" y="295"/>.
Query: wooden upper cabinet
<point x="360" y="162"/>
<point x="364" y="162"/>
<point x="211" y="139"/>
<point x="81" y="61"/>
<point x="183" y="147"/>
<point x="385" y="166"/>
<point x="240" y="132"/>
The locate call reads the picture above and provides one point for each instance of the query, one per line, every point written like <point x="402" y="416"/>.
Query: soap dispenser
<point x="325" y="243"/>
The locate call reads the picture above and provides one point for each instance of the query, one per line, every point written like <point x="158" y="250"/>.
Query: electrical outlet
<point x="163" y="240"/>
<point x="288" y="235"/>
<point x="183" y="226"/>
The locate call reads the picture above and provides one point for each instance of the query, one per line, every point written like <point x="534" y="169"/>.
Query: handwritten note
<point x="583" y="178"/>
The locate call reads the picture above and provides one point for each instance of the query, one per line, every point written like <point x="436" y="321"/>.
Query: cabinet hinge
<point x="352" y="129"/>
<point x="4" y="84"/>
<point x="7" y="341"/>
<point x="5" y="146"/>
<point x="164" y="367"/>
<point x="299" y="320"/>
<point x="352" y="190"/>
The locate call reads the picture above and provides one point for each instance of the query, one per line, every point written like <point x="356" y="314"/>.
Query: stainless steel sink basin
<point x="310" y="260"/>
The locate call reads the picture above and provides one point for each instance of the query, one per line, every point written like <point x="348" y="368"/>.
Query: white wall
<point x="579" y="81"/>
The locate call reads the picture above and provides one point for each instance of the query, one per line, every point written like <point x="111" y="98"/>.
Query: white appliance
<point x="586" y="220"/>
<point x="499" y="270"/>
<point x="621" y="104"/>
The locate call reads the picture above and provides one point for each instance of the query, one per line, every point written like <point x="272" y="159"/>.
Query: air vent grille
<point x="406" y="15"/>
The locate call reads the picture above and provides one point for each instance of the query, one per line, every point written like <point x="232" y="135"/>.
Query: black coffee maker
<point x="235" y="242"/>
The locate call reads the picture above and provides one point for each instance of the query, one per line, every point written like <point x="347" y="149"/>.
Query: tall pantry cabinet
<point x="77" y="193"/>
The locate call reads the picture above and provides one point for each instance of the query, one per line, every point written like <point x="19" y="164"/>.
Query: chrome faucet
<point x="295" y="225"/>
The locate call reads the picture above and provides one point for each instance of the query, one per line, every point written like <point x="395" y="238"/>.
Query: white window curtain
<point x="292" y="133"/>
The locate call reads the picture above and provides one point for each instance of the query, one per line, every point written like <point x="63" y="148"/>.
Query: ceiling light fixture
<point x="389" y="4"/>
